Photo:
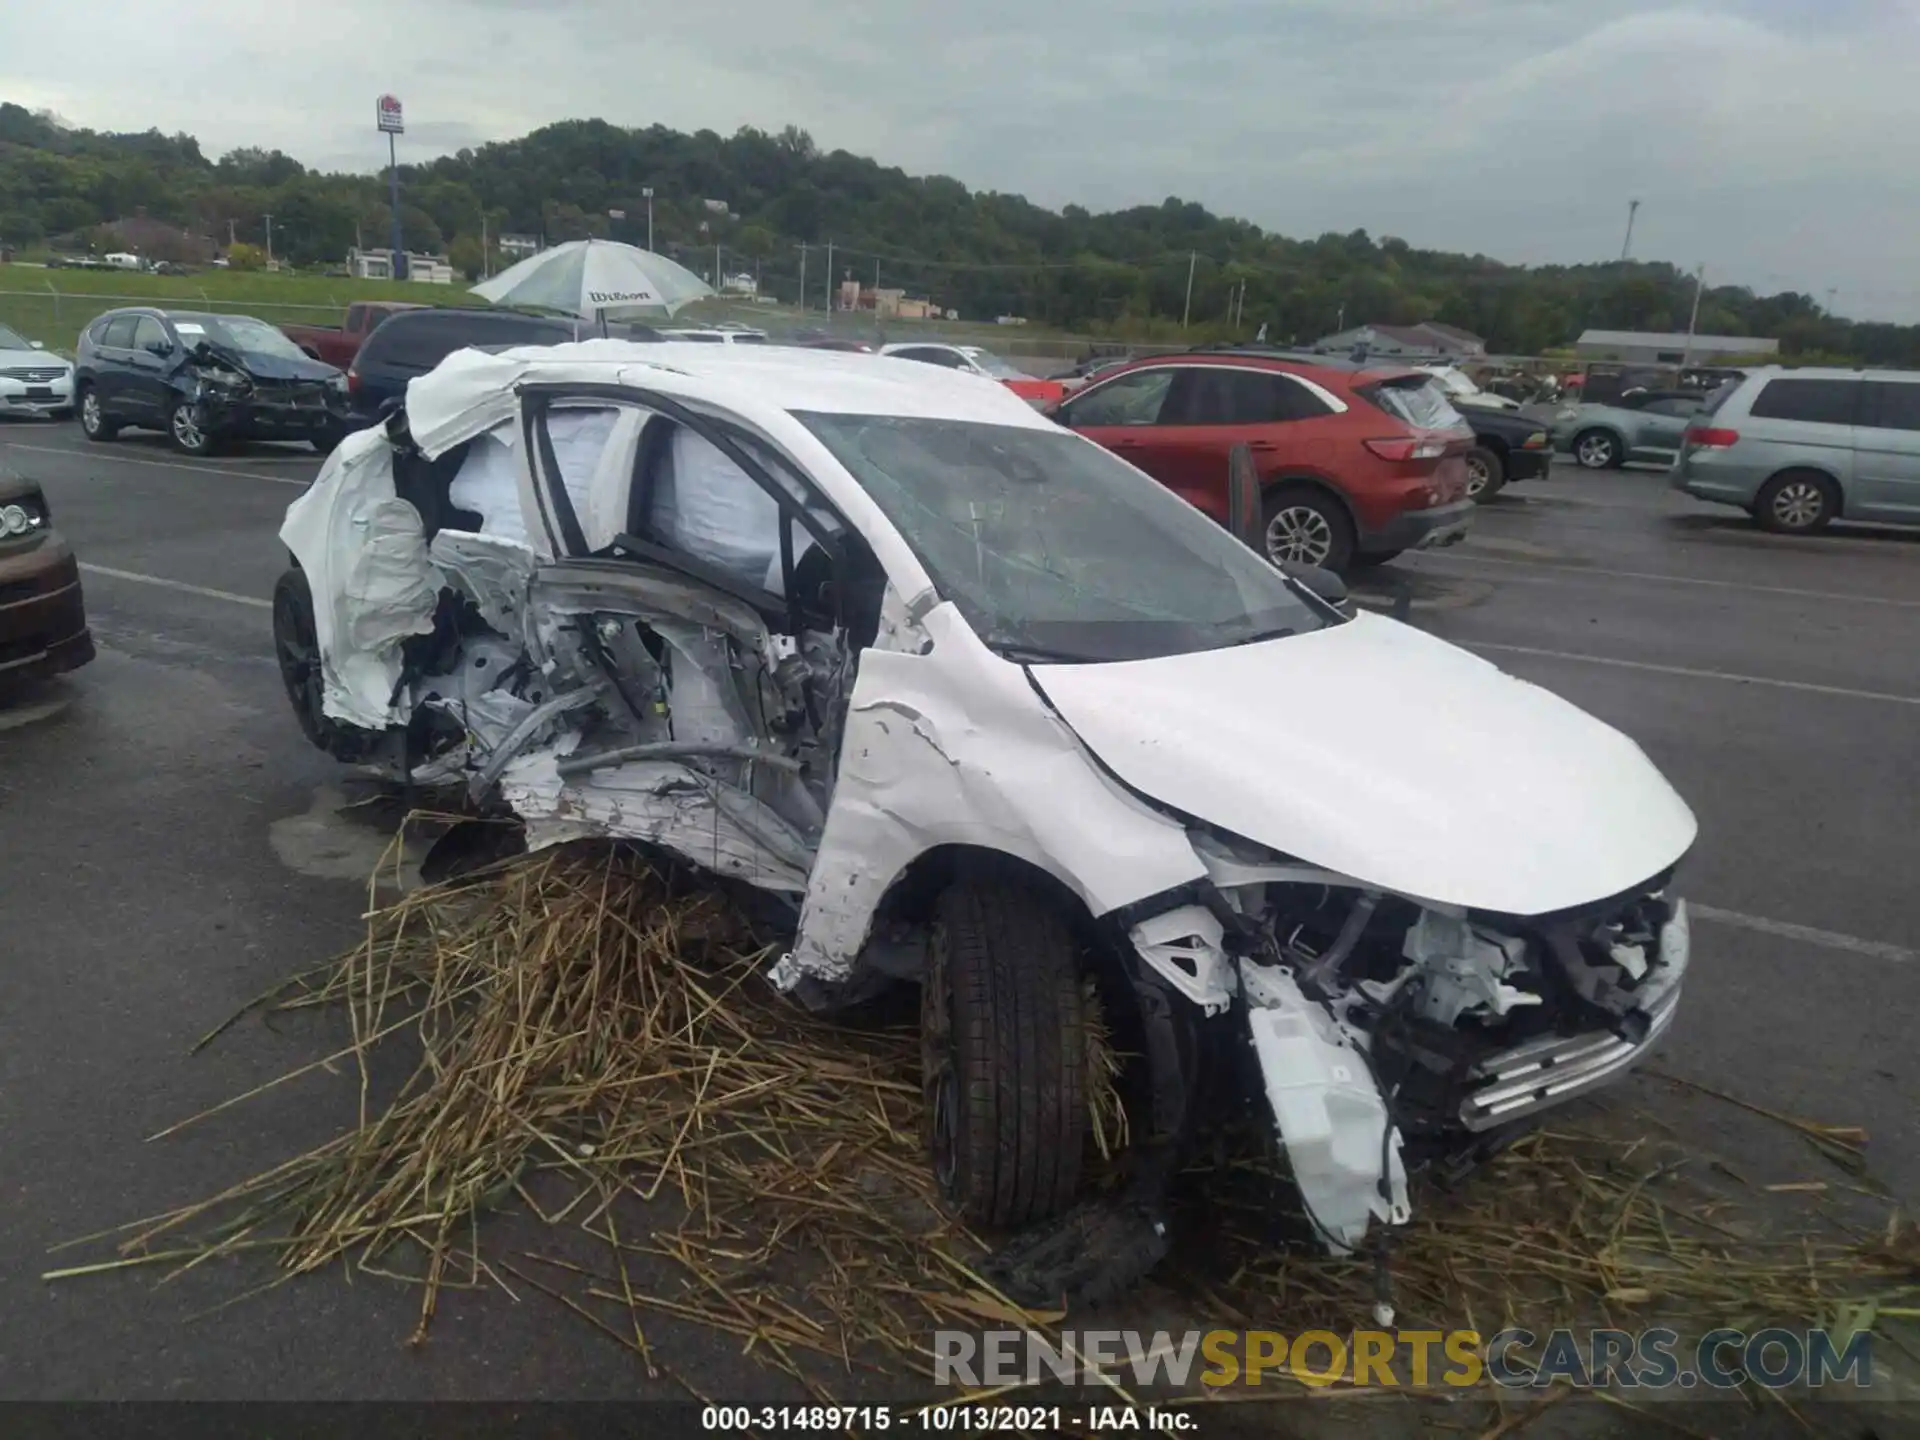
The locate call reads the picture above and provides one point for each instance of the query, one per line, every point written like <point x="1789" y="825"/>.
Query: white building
<point x="1659" y="348"/>
<point x="741" y="284"/>
<point x="519" y="246"/>
<point x="378" y="265"/>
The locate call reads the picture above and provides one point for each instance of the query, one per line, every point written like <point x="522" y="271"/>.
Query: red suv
<point x="1355" y="461"/>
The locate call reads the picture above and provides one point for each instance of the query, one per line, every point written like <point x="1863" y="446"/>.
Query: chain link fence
<point x="57" y="317"/>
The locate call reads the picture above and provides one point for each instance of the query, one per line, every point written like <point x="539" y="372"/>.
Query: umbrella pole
<point x="603" y="321"/>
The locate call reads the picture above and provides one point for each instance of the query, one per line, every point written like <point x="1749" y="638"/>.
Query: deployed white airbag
<point x="365" y="558"/>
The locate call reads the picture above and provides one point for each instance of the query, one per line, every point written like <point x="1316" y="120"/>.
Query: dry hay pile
<point x="591" y="1035"/>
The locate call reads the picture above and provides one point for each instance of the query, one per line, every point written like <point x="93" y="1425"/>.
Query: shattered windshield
<point x="1053" y="549"/>
<point x="238" y="332"/>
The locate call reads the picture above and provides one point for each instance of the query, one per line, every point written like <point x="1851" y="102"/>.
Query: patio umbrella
<point x="590" y="278"/>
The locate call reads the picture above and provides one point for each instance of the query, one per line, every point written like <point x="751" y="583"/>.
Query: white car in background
<point x="1462" y="391"/>
<point x="717" y="335"/>
<point x="984" y="707"/>
<point x="33" y="380"/>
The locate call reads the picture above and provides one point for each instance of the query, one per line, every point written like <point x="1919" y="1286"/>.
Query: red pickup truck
<point x="338" y="345"/>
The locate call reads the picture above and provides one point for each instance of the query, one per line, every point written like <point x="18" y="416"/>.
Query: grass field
<point x="54" y="306"/>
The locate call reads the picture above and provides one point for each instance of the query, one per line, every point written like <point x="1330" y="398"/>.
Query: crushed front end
<point x="1387" y="1033"/>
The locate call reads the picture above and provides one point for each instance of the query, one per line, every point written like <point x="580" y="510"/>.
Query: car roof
<point x="1282" y="360"/>
<point x="740" y="377"/>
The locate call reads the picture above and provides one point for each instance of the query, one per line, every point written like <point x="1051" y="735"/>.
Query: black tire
<point x="296" y="646"/>
<point x="1797" y="502"/>
<point x="1003" y="1051"/>
<point x="327" y="441"/>
<point x="1598" y="450"/>
<point x="1486" y="473"/>
<point x="184" y="429"/>
<point x="1306" y="525"/>
<point x="94" y="423"/>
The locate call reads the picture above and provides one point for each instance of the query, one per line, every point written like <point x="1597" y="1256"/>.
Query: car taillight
<point x="1408" y="449"/>
<point x="1709" y="437"/>
<point x="353" y="381"/>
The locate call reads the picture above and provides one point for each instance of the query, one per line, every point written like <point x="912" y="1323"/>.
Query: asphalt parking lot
<point x="170" y="847"/>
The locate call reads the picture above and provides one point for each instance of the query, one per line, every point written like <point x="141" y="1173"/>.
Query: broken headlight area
<point x="1387" y="1033"/>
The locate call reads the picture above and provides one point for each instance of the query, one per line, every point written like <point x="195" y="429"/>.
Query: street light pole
<point x="803" y="277"/>
<point x="1187" y="313"/>
<point x="269" y="220"/>
<point x="646" y="193"/>
<point x="1699" y="284"/>
<point x="1633" y="209"/>
<point x="829" y="278"/>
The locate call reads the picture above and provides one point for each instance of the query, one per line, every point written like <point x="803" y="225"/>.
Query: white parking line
<point x="1601" y="573"/>
<point x="1695" y="674"/>
<point x="1807" y="934"/>
<point x="180" y="585"/>
<point x="162" y="464"/>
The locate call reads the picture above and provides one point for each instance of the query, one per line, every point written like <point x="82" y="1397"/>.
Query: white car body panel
<point x="1503" y="796"/>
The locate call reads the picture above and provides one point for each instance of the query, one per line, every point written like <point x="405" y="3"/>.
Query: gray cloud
<point x="1770" y="139"/>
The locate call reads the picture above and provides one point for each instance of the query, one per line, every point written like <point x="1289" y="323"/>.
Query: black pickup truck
<point x="1508" y="446"/>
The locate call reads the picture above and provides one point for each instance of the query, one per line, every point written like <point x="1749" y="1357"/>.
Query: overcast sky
<point x="1777" y="141"/>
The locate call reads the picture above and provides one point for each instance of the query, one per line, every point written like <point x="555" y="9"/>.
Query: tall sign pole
<point x="392" y="122"/>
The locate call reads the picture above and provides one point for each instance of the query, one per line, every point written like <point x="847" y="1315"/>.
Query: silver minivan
<point x="1800" y="448"/>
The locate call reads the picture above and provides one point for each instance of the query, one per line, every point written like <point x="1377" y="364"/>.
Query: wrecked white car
<point x="991" y="710"/>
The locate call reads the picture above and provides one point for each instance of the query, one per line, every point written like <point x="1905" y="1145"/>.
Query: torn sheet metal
<point x="952" y="748"/>
<point x="1330" y="1115"/>
<point x="673" y="805"/>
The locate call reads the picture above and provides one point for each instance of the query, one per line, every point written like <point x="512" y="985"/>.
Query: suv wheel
<point x="94" y="423"/>
<point x="1597" y="450"/>
<point x="184" y="428"/>
<point x="1306" y="526"/>
<point x="1003" y="1036"/>
<point x="1486" y="473"/>
<point x="1798" y="502"/>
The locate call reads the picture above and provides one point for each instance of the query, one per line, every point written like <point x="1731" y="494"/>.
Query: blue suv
<point x="204" y="379"/>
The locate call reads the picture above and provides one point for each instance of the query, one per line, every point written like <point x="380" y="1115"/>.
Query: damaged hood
<point x="1373" y="749"/>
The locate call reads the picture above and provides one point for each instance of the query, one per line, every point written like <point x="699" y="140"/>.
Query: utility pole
<point x="876" y="282"/>
<point x="1633" y="209"/>
<point x="1699" y="284"/>
<point x="716" y="266"/>
<point x="231" y="242"/>
<point x="1187" y="313"/>
<point x="1340" y="323"/>
<point x="803" y="277"/>
<point x="486" y="268"/>
<point x="269" y="220"/>
<point x="829" y="277"/>
<point x="1832" y="290"/>
<point x="646" y="194"/>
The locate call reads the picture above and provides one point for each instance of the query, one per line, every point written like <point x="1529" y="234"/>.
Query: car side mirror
<point x="1324" y="583"/>
<point x="162" y="348"/>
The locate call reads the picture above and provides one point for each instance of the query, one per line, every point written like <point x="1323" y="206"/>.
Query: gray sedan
<point x="1640" y="425"/>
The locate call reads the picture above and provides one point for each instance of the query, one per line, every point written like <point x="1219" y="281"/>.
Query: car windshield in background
<point x="1053" y="549"/>
<point x="13" y="340"/>
<point x="237" y="332"/>
<point x="994" y="365"/>
<point x="1420" y="402"/>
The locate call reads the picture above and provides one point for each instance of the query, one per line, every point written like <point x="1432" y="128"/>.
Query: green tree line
<point x="770" y="205"/>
